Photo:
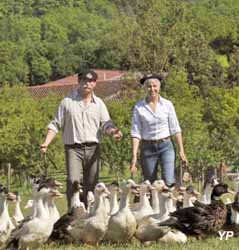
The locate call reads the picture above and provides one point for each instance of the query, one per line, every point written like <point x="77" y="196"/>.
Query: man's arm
<point x="49" y="137"/>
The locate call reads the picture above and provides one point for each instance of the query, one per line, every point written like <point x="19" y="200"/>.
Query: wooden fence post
<point x="8" y="175"/>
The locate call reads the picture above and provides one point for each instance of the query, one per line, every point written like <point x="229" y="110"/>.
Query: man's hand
<point x="116" y="133"/>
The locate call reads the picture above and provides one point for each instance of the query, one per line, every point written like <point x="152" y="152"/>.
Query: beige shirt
<point x="80" y="123"/>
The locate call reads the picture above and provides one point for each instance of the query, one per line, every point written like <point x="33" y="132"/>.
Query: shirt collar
<point x="159" y="101"/>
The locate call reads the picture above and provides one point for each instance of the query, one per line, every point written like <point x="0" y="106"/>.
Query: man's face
<point x="152" y="87"/>
<point x="87" y="85"/>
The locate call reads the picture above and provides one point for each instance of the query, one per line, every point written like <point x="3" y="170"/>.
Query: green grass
<point x="192" y="244"/>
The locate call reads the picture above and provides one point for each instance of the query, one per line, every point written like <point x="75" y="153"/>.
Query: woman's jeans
<point x="152" y="155"/>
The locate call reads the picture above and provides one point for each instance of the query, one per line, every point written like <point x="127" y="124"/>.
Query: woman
<point x="154" y="122"/>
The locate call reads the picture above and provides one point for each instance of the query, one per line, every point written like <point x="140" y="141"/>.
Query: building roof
<point x="108" y="83"/>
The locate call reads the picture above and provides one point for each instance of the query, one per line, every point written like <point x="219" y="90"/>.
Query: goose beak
<point x="106" y="191"/>
<point x="58" y="184"/>
<point x="135" y="190"/>
<point x="196" y="193"/>
<point x="56" y="193"/>
<point x="29" y="204"/>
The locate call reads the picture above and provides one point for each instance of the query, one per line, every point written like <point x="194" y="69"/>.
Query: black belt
<point x="82" y="145"/>
<point x="158" y="141"/>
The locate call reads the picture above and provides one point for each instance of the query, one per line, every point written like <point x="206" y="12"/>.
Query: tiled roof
<point x="108" y="83"/>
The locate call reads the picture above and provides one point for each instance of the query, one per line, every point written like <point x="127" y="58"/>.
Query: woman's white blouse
<point x="149" y="125"/>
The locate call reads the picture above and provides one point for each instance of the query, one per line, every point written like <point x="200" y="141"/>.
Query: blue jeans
<point x="152" y="155"/>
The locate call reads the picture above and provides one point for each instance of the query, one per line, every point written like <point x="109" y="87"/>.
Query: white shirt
<point x="80" y="123"/>
<point x="149" y="125"/>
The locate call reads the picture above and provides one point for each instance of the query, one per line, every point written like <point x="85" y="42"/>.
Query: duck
<point x="60" y="229"/>
<point x="17" y="217"/>
<point x="144" y="208"/>
<point x="122" y="225"/>
<point x="201" y="220"/>
<point x="6" y="224"/>
<point x="32" y="233"/>
<point x="91" y="228"/>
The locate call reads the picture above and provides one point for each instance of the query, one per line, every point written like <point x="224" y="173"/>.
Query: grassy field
<point x="192" y="244"/>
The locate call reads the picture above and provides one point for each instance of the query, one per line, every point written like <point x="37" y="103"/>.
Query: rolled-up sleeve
<point x="174" y="126"/>
<point x="136" y="126"/>
<point x="57" y="123"/>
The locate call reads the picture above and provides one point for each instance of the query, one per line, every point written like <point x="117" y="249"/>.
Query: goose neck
<point x="113" y="202"/>
<point x="75" y="200"/>
<point x="162" y="205"/>
<point x="124" y="200"/>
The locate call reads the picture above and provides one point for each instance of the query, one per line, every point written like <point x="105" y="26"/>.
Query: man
<point x="82" y="117"/>
<point x="154" y="122"/>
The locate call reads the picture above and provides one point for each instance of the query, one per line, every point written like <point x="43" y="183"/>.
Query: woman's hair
<point x="151" y="80"/>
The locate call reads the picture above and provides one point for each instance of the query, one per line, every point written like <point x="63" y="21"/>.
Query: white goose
<point x="35" y="231"/>
<point x="144" y="208"/>
<point x="207" y="190"/>
<point x="6" y="225"/>
<point x="91" y="228"/>
<point x="17" y="217"/>
<point x="190" y="196"/>
<point x="122" y="225"/>
<point x="148" y="229"/>
<point x="113" y="197"/>
<point x="90" y="202"/>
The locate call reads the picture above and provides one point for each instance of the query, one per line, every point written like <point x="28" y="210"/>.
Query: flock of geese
<point x="161" y="214"/>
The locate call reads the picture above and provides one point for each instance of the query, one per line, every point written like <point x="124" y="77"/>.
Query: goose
<point x="90" y="202"/>
<point x="18" y="216"/>
<point x="190" y="196"/>
<point x="91" y="228"/>
<point x="232" y="223"/>
<point x="180" y="196"/>
<point x="50" y="205"/>
<point x="75" y="199"/>
<point x="207" y="189"/>
<point x="201" y="220"/>
<point x="144" y="207"/>
<point x="122" y="225"/>
<point x="6" y="225"/>
<point x="35" y="231"/>
<point x="60" y="229"/>
<point x="148" y="229"/>
<point x="113" y="197"/>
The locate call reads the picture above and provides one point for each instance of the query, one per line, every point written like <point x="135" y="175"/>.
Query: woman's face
<point x="152" y="87"/>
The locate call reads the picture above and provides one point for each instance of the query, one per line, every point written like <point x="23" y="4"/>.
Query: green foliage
<point x="22" y="129"/>
<point x="194" y="44"/>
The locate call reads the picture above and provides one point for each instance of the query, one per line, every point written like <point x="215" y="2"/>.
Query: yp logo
<point x="225" y="235"/>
